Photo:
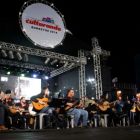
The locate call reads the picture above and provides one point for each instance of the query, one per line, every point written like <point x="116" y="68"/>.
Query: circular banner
<point x="42" y="24"/>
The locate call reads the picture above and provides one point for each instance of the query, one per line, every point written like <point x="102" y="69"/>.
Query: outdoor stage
<point x="118" y="133"/>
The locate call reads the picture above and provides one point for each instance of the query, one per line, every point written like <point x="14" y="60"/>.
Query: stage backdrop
<point x="20" y="86"/>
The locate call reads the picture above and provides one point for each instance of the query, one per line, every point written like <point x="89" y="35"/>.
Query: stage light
<point x="46" y="77"/>
<point x="11" y="56"/>
<point x="25" y="58"/>
<point x="8" y="72"/>
<point x="52" y="5"/>
<point x="19" y="49"/>
<point x="4" y="79"/>
<point x="22" y="75"/>
<point x="91" y="80"/>
<point x="65" y="64"/>
<point x="47" y="61"/>
<point x="71" y="65"/>
<point x="19" y="56"/>
<point x="54" y="61"/>
<point x="3" y="53"/>
<point x="89" y="58"/>
<point x="34" y="75"/>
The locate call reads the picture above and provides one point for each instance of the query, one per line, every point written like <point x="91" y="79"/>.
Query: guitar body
<point x="102" y="107"/>
<point x="13" y="110"/>
<point x="133" y="109"/>
<point x="75" y="104"/>
<point x="39" y="106"/>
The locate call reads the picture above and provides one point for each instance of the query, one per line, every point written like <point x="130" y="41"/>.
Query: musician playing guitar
<point x="71" y="104"/>
<point x="41" y="103"/>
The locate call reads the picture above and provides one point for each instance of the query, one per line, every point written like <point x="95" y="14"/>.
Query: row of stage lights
<point x="32" y="75"/>
<point x="17" y="55"/>
<point x="13" y="55"/>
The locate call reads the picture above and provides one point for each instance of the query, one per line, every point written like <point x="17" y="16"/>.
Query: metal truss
<point x="61" y="70"/>
<point x="96" y="52"/>
<point x="82" y="81"/>
<point x="25" y="65"/>
<point x="41" y="53"/>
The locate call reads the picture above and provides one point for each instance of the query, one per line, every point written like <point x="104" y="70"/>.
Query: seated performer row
<point x="69" y="105"/>
<point x="43" y="104"/>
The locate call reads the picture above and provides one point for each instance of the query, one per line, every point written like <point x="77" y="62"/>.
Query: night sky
<point x="115" y="24"/>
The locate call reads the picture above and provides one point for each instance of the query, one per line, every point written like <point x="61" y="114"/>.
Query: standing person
<point x="70" y="108"/>
<point x="41" y="104"/>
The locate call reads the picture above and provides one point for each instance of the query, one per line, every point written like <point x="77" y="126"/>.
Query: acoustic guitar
<point x="102" y="107"/>
<point x="15" y="109"/>
<point x="74" y="105"/>
<point x="40" y="104"/>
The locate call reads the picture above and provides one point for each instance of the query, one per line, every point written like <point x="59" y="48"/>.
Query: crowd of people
<point x="14" y="115"/>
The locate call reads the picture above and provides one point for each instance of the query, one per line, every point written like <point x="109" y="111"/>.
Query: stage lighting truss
<point x="25" y="65"/>
<point x="66" y="62"/>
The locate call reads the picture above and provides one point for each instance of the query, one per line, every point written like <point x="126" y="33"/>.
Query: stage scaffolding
<point x="72" y="62"/>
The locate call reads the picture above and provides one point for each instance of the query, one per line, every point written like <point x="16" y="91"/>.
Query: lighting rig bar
<point x="61" y="70"/>
<point x="24" y="65"/>
<point x="41" y="53"/>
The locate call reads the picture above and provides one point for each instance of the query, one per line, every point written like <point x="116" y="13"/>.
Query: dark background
<point x="115" y="24"/>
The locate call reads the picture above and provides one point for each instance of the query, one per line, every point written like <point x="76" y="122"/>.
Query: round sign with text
<point x="42" y="24"/>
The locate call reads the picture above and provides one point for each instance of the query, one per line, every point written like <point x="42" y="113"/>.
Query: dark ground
<point x="119" y="133"/>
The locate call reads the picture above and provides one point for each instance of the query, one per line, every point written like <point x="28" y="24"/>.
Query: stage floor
<point x="118" y="133"/>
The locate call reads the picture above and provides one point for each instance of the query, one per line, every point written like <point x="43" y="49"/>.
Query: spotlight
<point x="46" y="77"/>
<point x="91" y="80"/>
<point x="8" y="72"/>
<point x="3" y="53"/>
<point x="54" y="61"/>
<point x="26" y="58"/>
<point x="22" y="75"/>
<point x="47" y="61"/>
<point x="19" y="56"/>
<point x="11" y="56"/>
<point x="52" y="5"/>
<point x="34" y="75"/>
<point x="71" y="65"/>
<point x="65" y="65"/>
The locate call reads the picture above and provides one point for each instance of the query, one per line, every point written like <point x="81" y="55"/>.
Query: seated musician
<point x="70" y="108"/>
<point x="41" y="103"/>
<point x="13" y="110"/>
<point x="22" y="108"/>
<point x="92" y="109"/>
<point x="105" y="107"/>
<point x="2" y="112"/>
